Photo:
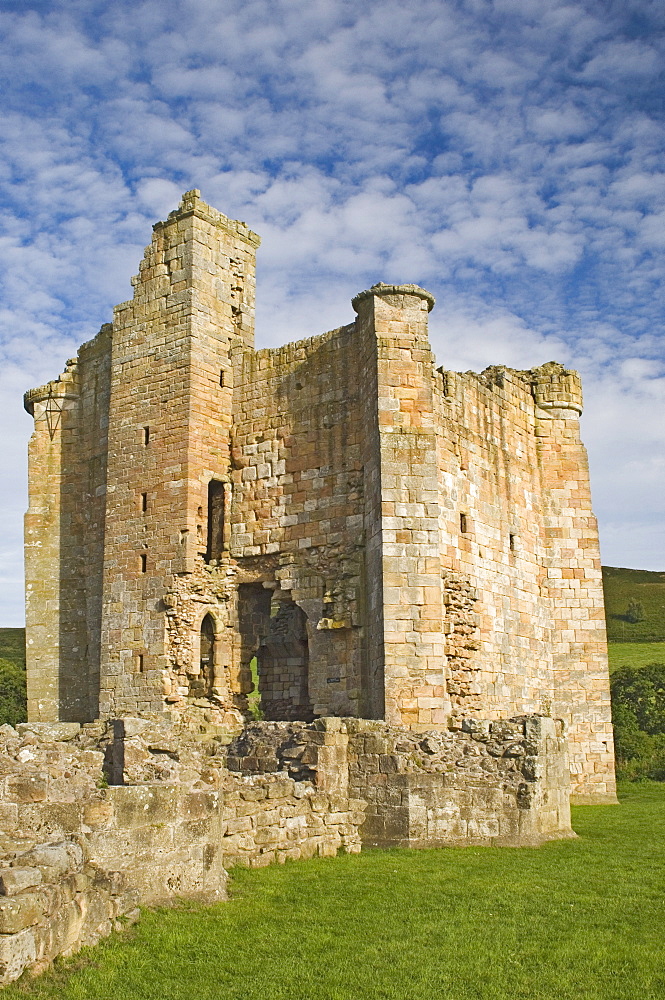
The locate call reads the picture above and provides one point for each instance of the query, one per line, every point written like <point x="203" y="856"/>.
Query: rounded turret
<point x="555" y="388"/>
<point x="396" y="295"/>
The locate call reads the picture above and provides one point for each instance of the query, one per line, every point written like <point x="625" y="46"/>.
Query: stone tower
<point x="336" y="520"/>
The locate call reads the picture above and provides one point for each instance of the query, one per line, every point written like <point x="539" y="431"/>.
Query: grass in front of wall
<point x="572" y="920"/>
<point x="635" y="654"/>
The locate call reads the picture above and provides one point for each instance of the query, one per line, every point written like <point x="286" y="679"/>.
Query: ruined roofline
<point x="305" y="344"/>
<point x="191" y="203"/>
<point x="553" y="386"/>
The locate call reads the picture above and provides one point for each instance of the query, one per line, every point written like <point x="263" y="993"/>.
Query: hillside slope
<point x="642" y="587"/>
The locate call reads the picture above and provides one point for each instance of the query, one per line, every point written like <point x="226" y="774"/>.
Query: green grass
<point x="573" y="920"/>
<point x="254" y="698"/>
<point x="622" y="586"/>
<point x="635" y="654"/>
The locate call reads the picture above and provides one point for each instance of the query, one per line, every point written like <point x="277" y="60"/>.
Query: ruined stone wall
<point x="170" y="412"/>
<point x="64" y="536"/>
<point x="573" y="584"/>
<point x="491" y="530"/>
<point x="502" y="782"/>
<point x="297" y="512"/>
<point x="525" y="618"/>
<point x="77" y="856"/>
<point x="100" y="819"/>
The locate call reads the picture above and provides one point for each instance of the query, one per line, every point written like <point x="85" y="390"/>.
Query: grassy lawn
<point x="635" y="654"/>
<point x="576" y="919"/>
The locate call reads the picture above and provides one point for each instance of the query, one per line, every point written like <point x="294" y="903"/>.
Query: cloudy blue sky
<point x="505" y="154"/>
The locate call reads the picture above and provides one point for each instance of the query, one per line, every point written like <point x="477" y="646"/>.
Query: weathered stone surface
<point x="56" y="731"/>
<point x="14" y="880"/>
<point x="53" y="859"/>
<point x="17" y="952"/>
<point x="19" y="912"/>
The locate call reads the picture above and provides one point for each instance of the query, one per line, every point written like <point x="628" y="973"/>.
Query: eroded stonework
<point x="101" y="818"/>
<point x="373" y="536"/>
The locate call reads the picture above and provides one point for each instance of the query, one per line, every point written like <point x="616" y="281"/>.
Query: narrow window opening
<point x="139" y="662"/>
<point x="144" y="563"/>
<point x="463" y="523"/>
<point x="146" y="435"/>
<point x="207" y="661"/>
<point x="215" y="541"/>
<point x="144" y="502"/>
<point x="512" y="542"/>
<point x="221" y="377"/>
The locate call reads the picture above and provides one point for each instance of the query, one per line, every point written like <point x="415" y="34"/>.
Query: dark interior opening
<point x="274" y="636"/>
<point x="201" y="684"/>
<point x="215" y="543"/>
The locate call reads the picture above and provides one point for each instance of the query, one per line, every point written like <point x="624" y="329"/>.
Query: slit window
<point x="144" y="502"/>
<point x="215" y="542"/>
<point x="144" y="563"/>
<point x="512" y="541"/>
<point x="221" y="378"/>
<point x="463" y="523"/>
<point x="146" y="436"/>
<point x="139" y="662"/>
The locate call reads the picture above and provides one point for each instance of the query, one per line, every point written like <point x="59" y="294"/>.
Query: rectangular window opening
<point x="215" y="541"/>
<point x="144" y="563"/>
<point x="139" y="662"/>
<point x="512" y="542"/>
<point x="146" y="435"/>
<point x="221" y="378"/>
<point x="144" y="502"/>
<point x="463" y="523"/>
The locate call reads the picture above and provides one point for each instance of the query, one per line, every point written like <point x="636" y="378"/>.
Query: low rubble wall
<point x="97" y="820"/>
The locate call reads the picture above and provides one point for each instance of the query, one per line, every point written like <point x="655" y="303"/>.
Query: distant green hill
<point x="640" y="591"/>
<point x="12" y="645"/>
<point x="12" y="675"/>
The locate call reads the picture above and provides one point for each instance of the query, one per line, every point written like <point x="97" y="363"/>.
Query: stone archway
<point x="201" y="684"/>
<point x="283" y="663"/>
<point x="273" y="628"/>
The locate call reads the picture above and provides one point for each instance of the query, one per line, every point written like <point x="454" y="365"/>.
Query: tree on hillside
<point x="635" y="612"/>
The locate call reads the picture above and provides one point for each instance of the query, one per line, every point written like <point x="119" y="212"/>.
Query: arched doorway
<point x="274" y="647"/>
<point x="283" y="662"/>
<point x="201" y="684"/>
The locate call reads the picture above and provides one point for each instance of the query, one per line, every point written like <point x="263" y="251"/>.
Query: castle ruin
<point x="376" y="537"/>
